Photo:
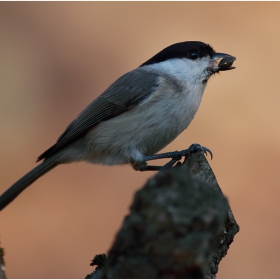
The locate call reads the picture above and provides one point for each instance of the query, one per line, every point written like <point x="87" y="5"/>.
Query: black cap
<point x="190" y="49"/>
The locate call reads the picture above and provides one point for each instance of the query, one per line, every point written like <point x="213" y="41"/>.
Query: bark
<point x="2" y="264"/>
<point x="180" y="226"/>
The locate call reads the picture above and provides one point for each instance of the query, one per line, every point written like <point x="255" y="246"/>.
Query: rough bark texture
<point x="2" y="265"/>
<point x="180" y="226"/>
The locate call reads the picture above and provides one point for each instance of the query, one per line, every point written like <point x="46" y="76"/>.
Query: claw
<point x="197" y="147"/>
<point x="206" y="150"/>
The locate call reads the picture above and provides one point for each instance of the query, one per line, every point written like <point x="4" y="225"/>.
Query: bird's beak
<point x="223" y="62"/>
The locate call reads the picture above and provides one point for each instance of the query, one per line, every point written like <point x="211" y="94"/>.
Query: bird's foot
<point x="175" y="158"/>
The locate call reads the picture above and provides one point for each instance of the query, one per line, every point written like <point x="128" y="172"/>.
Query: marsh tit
<point x="137" y="116"/>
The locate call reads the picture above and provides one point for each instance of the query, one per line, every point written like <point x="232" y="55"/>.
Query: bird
<point x="137" y="115"/>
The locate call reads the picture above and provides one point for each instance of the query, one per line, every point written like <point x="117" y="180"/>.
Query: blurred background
<point x="57" y="57"/>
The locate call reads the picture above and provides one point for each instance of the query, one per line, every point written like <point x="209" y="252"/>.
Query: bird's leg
<point x="175" y="157"/>
<point x="161" y="168"/>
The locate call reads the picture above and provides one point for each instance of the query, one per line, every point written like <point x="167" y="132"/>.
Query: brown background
<point x="57" y="57"/>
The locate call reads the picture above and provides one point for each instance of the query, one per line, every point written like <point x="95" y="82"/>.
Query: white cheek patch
<point x="184" y="70"/>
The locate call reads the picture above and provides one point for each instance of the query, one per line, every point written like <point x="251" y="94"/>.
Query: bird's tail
<point x="10" y="194"/>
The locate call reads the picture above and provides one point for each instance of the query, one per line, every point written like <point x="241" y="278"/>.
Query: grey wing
<point x="124" y="94"/>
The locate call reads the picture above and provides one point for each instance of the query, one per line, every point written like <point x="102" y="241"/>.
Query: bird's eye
<point x="193" y="55"/>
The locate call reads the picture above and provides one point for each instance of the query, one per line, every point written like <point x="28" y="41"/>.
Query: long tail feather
<point x="9" y="195"/>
